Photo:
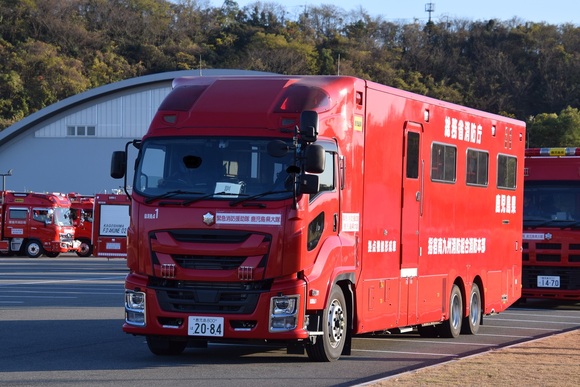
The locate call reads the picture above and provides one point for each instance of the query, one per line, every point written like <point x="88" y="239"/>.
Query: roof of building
<point x="32" y="120"/>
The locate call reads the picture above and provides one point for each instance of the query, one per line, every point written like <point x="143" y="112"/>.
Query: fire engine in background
<point x="111" y="220"/>
<point x="35" y="224"/>
<point x="82" y="215"/>
<point x="551" y="238"/>
<point x="302" y="210"/>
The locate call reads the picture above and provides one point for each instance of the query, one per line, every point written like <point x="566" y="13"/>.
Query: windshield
<point x="551" y="203"/>
<point x="211" y="168"/>
<point x="62" y="217"/>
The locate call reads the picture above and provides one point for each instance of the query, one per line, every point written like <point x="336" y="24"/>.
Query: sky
<point x="548" y="11"/>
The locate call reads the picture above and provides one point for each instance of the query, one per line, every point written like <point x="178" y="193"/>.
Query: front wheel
<point x="329" y="346"/>
<point x="165" y="346"/>
<point x="34" y="249"/>
<point x="472" y="321"/>
<point x="452" y="327"/>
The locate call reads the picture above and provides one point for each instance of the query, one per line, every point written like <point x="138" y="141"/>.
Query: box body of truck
<point x="239" y="232"/>
<point x="111" y="220"/>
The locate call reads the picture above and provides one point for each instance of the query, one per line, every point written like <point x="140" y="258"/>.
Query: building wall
<point x="51" y="159"/>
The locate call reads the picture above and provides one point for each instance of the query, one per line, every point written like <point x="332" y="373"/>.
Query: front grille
<point x="569" y="277"/>
<point x="199" y="262"/>
<point x="211" y="250"/>
<point x="232" y="248"/>
<point x="208" y="297"/>
<point x="210" y="236"/>
<point x="548" y="257"/>
<point x="66" y="237"/>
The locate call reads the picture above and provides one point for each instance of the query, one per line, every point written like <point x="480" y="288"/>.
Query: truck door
<point x="411" y="211"/>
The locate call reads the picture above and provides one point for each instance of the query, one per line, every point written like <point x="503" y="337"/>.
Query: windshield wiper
<point x="169" y="194"/>
<point x="234" y="203"/>
<point x="211" y="195"/>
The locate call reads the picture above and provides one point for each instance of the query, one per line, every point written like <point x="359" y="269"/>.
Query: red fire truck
<point x="110" y="225"/>
<point x="551" y="238"/>
<point x="35" y="224"/>
<point x="82" y="215"/>
<point x="303" y="210"/>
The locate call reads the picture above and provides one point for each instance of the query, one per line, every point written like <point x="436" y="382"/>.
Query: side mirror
<point x="118" y="164"/>
<point x="309" y="125"/>
<point x="314" y="159"/>
<point x="308" y="184"/>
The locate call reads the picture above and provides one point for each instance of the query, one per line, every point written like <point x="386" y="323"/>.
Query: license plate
<point x="205" y="326"/>
<point x="548" y="281"/>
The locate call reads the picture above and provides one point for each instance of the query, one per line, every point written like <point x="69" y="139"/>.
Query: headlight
<point x="284" y="313"/>
<point x="283" y="305"/>
<point x="134" y="300"/>
<point x="135" y="308"/>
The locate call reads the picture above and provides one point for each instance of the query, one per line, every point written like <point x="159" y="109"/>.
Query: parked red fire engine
<point x="551" y="239"/>
<point x="303" y="210"/>
<point x="110" y="225"/>
<point x="35" y="224"/>
<point x="82" y="215"/>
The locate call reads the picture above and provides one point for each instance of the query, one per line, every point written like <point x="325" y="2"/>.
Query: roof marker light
<point x="170" y="118"/>
<point x="554" y="152"/>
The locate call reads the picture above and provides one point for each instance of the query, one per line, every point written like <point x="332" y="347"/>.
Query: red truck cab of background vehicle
<point x="551" y="238"/>
<point x="82" y="215"/>
<point x="303" y="210"/>
<point x="35" y="224"/>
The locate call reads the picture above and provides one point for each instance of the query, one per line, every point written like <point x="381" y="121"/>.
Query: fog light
<point x="135" y="318"/>
<point x="283" y="323"/>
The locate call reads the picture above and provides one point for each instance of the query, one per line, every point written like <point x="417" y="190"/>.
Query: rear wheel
<point x="329" y="346"/>
<point x="165" y="346"/>
<point x="51" y="254"/>
<point x="452" y="326"/>
<point x="34" y="249"/>
<point x="472" y="321"/>
<point x="85" y="249"/>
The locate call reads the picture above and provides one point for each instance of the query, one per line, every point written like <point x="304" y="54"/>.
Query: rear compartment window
<point x="506" y="171"/>
<point x="477" y="168"/>
<point x="443" y="159"/>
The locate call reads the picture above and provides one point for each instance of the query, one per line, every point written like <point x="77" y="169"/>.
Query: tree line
<point x="52" y="49"/>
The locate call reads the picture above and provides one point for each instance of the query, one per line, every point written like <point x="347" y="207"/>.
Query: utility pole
<point x="430" y="7"/>
<point x="9" y="173"/>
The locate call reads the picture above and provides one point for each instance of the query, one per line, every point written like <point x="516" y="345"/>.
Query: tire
<point x="51" y="254"/>
<point x="329" y="346"/>
<point x="165" y="346"/>
<point x="472" y="322"/>
<point x="86" y="249"/>
<point x="452" y="327"/>
<point x="34" y="249"/>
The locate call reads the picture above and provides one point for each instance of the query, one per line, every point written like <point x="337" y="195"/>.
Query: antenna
<point x="430" y="7"/>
